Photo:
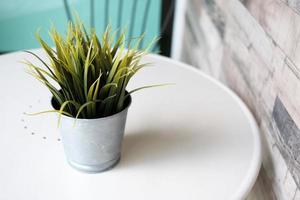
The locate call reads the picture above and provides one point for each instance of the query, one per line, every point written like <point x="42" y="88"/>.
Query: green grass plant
<point x="87" y="76"/>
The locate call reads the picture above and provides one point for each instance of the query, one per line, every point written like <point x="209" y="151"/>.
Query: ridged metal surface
<point x="93" y="145"/>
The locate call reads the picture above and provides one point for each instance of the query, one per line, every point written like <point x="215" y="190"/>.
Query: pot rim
<point x="125" y="109"/>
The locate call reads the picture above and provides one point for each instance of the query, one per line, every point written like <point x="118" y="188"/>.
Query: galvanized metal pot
<point x="93" y="145"/>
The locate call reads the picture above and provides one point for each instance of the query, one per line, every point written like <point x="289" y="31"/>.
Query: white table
<point x="194" y="140"/>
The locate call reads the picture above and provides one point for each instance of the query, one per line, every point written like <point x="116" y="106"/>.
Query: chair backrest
<point x="143" y="17"/>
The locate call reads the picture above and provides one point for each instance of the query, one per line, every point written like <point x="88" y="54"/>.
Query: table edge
<point x="253" y="171"/>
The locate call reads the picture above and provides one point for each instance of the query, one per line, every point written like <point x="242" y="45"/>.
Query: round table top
<point x="191" y="140"/>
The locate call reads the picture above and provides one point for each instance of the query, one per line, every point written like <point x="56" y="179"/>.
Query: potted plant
<point x="87" y="78"/>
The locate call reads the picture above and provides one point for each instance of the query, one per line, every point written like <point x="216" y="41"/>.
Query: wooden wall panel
<point x="253" y="47"/>
<point x="279" y="21"/>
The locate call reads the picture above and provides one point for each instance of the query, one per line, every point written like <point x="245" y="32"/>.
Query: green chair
<point x="20" y="22"/>
<point x="143" y="18"/>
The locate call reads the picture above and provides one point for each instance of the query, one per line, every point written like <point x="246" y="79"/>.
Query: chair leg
<point x="145" y="19"/>
<point x="167" y="18"/>
<point x="68" y="12"/>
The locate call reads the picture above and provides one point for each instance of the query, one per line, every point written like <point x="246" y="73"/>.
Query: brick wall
<point x="253" y="46"/>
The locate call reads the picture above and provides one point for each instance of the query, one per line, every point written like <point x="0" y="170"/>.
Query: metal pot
<point x="93" y="145"/>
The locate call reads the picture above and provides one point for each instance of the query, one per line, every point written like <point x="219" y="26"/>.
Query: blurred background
<point x="20" y="20"/>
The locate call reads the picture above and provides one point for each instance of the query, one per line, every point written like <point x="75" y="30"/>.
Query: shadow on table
<point x="152" y="146"/>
